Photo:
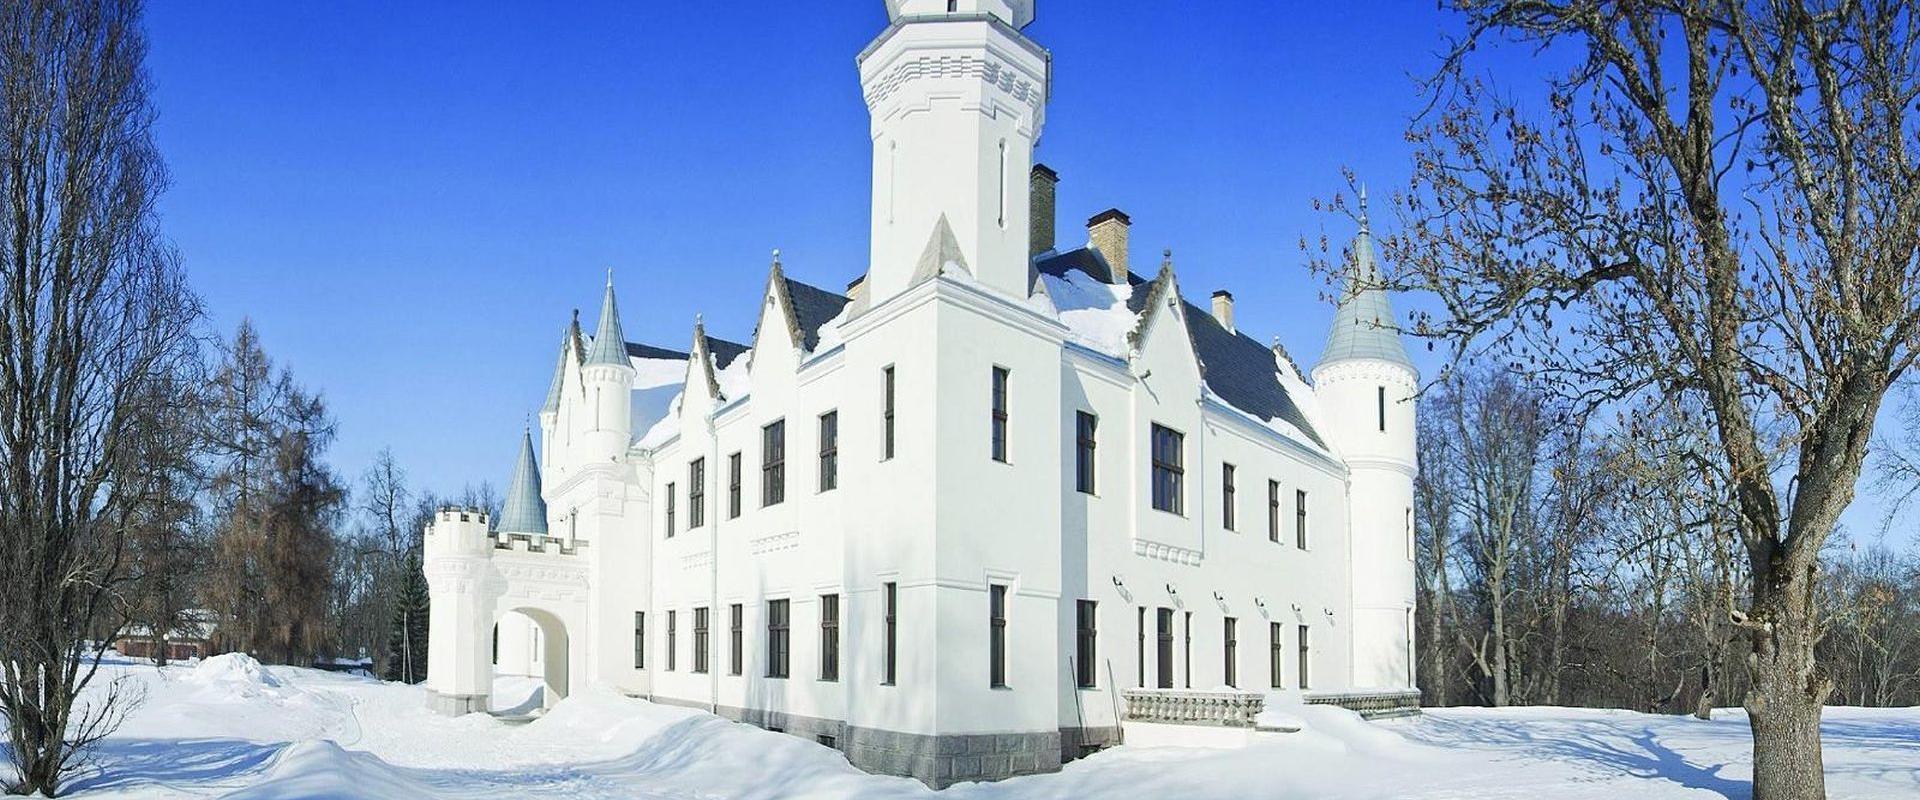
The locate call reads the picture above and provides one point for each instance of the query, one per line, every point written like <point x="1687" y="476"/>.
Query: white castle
<point x="942" y="520"/>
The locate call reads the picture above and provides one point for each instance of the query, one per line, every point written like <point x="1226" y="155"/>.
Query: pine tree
<point x="407" y="641"/>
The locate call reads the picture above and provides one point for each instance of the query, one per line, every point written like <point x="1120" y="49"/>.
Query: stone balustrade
<point x="1371" y="703"/>
<point x="1224" y="707"/>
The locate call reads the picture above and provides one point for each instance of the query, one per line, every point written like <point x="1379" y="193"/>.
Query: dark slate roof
<point x="1238" y="369"/>
<point x="724" y="352"/>
<point x="813" y="307"/>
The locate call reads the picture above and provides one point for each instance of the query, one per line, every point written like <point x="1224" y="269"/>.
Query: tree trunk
<point x="1783" y="706"/>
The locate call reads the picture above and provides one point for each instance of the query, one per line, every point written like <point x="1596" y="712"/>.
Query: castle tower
<point x="957" y="97"/>
<point x="1366" y="384"/>
<point x="458" y="548"/>
<point x="608" y="378"/>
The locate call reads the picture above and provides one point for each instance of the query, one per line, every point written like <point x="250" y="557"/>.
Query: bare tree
<point x="1719" y="202"/>
<point x="95" y="322"/>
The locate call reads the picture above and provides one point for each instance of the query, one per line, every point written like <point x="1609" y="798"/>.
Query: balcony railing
<point x="1223" y="707"/>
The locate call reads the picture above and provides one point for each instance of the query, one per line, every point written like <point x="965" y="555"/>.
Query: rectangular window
<point x="1383" y="408"/>
<point x="777" y="641"/>
<point x="639" y="640"/>
<point x="736" y="636"/>
<point x="1000" y="414"/>
<point x="1300" y="518"/>
<point x="997" y="630"/>
<point x="1084" y="644"/>
<point x="1305" y="657"/>
<point x="1276" y="654"/>
<point x="1168" y="472"/>
<point x="1273" y="511"/>
<point x="886" y="412"/>
<point x="673" y="625"/>
<point x="1186" y="651"/>
<point x="671" y="495"/>
<point x="733" y="486"/>
<point x="1084" y="426"/>
<point x="696" y="493"/>
<point x="1164" y="678"/>
<point x="700" y="640"/>
<point x="890" y="609"/>
<point x="773" y="463"/>
<point x="1226" y="496"/>
<point x="1140" y="647"/>
<point x="829" y="451"/>
<point x="1232" y="655"/>
<point x="829" y="637"/>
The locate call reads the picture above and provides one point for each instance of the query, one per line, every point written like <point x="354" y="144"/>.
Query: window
<point x="1383" y="408"/>
<point x="890" y="609"/>
<point x="670" y="498"/>
<point x="1273" y="511"/>
<point x="1165" y="661"/>
<point x="777" y="641"/>
<point x="735" y="635"/>
<point x="696" y="493"/>
<point x="1300" y="518"/>
<point x="1410" y="544"/>
<point x="1084" y="641"/>
<point x="1084" y="426"/>
<point x="1226" y="496"/>
<point x="773" y="463"/>
<point x="639" y="640"/>
<point x="1305" y="656"/>
<point x="886" y="412"/>
<point x="700" y="640"/>
<point x="997" y="631"/>
<point x="829" y="451"/>
<point x="1003" y="179"/>
<point x="1186" y="650"/>
<point x="1000" y="414"/>
<point x="1232" y="655"/>
<point x="1276" y="654"/>
<point x="733" y="486"/>
<point x="672" y="630"/>
<point x="1167" y="470"/>
<point x="1140" y="646"/>
<point x="826" y="740"/>
<point x="829" y="637"/>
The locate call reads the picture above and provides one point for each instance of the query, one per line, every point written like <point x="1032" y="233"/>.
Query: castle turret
<point x="551" y="433"/>
<point x="957" y="96"/>
<point x="607" y="376"/>
<point x="1365" y="384"/>
<point x="457" y="548"/>
<point x="524" y="512"/>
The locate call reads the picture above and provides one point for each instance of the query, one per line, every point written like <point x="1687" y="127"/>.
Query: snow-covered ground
<point x="231" y="728"/>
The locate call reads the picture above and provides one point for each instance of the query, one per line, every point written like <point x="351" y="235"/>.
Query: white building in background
<point x="941" y="519"/>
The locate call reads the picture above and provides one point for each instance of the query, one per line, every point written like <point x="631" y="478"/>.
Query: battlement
<point x="523" y="543"/>
<point x="459" y="531"/>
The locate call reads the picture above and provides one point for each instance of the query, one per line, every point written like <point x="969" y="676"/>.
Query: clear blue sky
<point x="409" y="198"/>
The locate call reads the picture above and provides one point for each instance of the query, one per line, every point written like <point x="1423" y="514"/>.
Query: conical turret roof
<point x="1364" y="327"/>
<point x="609" y="341"/>
<point x="560" y="369"/>
<point x="524" y="511"/>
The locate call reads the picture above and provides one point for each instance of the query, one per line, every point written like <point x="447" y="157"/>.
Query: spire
<point x="560" y="370"/>
<point x="609" y="342"/>
<point x="1364" y="326"/>
<point x="524" y="511"/>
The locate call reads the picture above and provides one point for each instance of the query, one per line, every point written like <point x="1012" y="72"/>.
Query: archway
<point x="533" y="642"/>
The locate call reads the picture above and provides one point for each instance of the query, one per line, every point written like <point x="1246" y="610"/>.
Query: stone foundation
<point x="938" y="761"/>
<point x="454" y="705"/>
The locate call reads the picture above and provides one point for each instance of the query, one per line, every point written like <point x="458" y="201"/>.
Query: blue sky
<point x="409" y="198"/>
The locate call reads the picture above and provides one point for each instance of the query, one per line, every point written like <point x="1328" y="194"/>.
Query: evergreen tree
<point x="407" y="642"/>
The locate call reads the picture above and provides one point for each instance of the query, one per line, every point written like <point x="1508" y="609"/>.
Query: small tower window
<point x="1382" y="397"/>
<point x="1003" y="182"/>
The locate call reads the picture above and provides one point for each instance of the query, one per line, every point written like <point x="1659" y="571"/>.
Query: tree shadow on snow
<point x="1641" y="755"/>
<point x="126" y="763"/>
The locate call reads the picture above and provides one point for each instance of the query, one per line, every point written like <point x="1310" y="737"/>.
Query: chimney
<point x="1107" y="231"/>
<point x="1040" y="209"/>
<point x="1223" y="309"/>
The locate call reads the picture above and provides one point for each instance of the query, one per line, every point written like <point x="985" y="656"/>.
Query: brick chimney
<point x="1223" y="309"/>
<point x="1040" y="209"/>
<point x="1107" y="231"/>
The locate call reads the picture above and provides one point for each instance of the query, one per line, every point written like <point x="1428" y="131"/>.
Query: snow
<point x="1094" y="311"/>
<point x="229" y="727"/>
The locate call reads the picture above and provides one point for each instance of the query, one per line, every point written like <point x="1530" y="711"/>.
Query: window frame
<point x="1273" y="511"/>
<point x="1002" y="389"/>
<point x="1086" y="432"/>
<point x="997" y="635"/>
<point x="1086" y="643"/>
<point x="1167" y="479"/>
<point x="1231" y="652"/>
<point x="890" y="621"/>
<point x="673" y="493"/>
<point x="830" y="637"/>
<point x="1300" y="518"/>
<point x="1276" y="655"/>
<point x="734" y="468"/>
<point x="673" y="632"/>
<point x="697" y="493"/>
<point x="829" y="436"/>
<point x="773" y="463"/>
<point x="779" y="638"/>
<point x="737" y="619"/>
<point x="700" y="639"/>
<point x="1306" y="656"/>
<point x="1163" y="648"/>
<point x="1227" y="496"/>
<point x="639" y="640"/>
<point x="887" y="398"/>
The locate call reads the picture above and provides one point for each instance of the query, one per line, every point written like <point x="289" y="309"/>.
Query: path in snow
<point x="231" y="729"/>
